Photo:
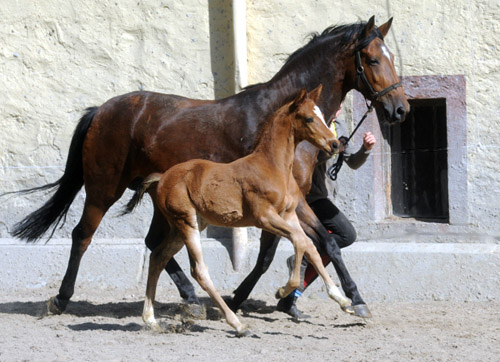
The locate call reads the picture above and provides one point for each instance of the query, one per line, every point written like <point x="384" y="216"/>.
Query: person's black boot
<point x="287" y="305"/>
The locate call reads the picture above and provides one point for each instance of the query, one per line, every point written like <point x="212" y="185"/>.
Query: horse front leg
<point x="268" y="244"/>
<point x="326" y="241"/>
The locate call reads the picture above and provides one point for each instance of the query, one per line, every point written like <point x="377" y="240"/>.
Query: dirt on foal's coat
<point x="256" y="190"/>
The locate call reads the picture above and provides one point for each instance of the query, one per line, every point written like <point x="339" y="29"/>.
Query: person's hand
<point x="369" y="141"/>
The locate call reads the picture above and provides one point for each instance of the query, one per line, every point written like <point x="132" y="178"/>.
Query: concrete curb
<point x="383" y="271"/>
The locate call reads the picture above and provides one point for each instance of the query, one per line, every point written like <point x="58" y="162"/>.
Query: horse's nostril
<point x="401" y="111"/>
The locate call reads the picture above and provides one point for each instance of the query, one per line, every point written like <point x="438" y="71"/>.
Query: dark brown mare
<point x="118" y="144"/>
<point x="256" y="190"/>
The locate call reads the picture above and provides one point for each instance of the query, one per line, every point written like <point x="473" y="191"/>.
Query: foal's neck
<point x="277" y="142"/>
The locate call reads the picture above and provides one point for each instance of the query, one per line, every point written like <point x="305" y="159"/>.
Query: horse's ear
<point x="298" y="100"/>
<point x="369" y="26"/>
<point x="384" y="28"/>
<point x="315" y="93"/>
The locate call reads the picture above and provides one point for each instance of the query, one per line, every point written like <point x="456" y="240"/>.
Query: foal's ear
<point x="369" y="26"/>
<point x="384" y="28"/>
<point x="315" y="93"/>
<point x="298" y="100"/>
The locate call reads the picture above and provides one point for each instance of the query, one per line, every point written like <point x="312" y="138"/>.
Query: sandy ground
<point x="100" y="326"/>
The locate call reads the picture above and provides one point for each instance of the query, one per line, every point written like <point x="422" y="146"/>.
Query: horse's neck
<point x="326" y="71"/>
<point x="255" y="104"/>
<point x="276" y="144"/>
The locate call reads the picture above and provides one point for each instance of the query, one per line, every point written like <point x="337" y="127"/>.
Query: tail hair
<point x="139" y="193"/>
<point x="54" y="211"/>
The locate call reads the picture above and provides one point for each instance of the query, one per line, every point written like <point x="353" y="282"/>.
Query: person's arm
<point x="357" y="159"/>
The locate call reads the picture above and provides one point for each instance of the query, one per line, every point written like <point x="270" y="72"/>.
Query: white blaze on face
<point x="318" y="113"/>
<point x="386" y="52"/>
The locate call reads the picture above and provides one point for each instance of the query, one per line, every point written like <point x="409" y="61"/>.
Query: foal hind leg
<point x="158" y="231"/>
<point x="82" y="236"/>
<point x="157" y="261"/>
<point x="199" y="271"/>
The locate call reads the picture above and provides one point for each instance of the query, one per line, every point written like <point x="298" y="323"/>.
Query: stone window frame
<point x="377" y="178"/>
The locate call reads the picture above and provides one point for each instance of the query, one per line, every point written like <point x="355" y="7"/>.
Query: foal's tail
<point x="139" y="193"/>
<point x="33" y="226"/>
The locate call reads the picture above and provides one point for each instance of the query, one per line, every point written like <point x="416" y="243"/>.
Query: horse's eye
<point x="309" y="120"/>
<point x="373" y="61"/>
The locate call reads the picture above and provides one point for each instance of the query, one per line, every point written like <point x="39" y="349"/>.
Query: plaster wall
<point x="57" y="58"/>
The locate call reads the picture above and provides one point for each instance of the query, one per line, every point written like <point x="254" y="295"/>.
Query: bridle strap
<point x="360" y="74"/>
<point x="334" y="169"/>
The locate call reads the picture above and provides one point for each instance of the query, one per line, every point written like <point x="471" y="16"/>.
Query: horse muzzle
<point x="395" y="114"/>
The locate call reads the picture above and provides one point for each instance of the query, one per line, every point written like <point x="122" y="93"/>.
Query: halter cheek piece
<point x="334" y="169"/>
<point x="360" y="74"/>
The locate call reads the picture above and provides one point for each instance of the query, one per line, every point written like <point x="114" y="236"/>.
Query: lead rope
<point x="334" y="169"/>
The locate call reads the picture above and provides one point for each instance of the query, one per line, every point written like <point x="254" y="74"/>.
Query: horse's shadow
<point x="119" y="310"/>
<point x="172" y="315"/>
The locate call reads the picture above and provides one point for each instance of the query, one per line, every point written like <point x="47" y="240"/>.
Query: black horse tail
<point x="141" y="190"/>
<point x="33" y="226"/>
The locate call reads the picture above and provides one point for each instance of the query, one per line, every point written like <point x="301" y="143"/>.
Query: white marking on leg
<point x="317" y="112"/>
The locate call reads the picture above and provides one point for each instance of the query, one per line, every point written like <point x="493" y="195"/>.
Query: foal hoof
<point x="280" y="293"/>
<point x="155" y="328"/>
<point x="362" y="311"/>
<point x="244" y="333"/>
<point x="54" y="307"/>
<point x="195" y="311"/>
<point x="349" y="309"/>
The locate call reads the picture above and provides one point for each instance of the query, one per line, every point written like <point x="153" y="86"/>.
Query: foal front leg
<point x="309" y="250"/>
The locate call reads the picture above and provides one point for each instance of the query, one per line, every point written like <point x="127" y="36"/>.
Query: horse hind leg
<point x="268" y="245"/>
<point x="81" y="239"/>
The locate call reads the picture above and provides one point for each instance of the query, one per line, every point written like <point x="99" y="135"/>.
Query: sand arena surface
<point x="100" y="326"/>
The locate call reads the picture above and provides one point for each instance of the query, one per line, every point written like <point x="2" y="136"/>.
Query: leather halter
<point x="360" y="73"/>
<point x="334" y="169"/>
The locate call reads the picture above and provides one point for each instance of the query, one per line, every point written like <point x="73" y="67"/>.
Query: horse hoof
<point x="53" y="308"/>
<point x="195" y="311"/>
<point x="279" y="293"/>
<point x="362" y="311"/>
<point x="348" y="309"/>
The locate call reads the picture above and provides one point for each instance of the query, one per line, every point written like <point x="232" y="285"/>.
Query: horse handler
<point x="330" y="216"/>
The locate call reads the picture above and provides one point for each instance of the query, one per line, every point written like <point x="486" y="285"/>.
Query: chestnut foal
<point x="256" y="190"/>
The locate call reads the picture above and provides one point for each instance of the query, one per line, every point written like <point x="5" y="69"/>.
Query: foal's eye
<point x="309" y="120"/>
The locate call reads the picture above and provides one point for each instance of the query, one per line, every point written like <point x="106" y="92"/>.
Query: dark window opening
<point x="419" y="162"/>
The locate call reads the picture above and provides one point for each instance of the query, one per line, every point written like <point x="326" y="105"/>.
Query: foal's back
<point x="238" y="193"/>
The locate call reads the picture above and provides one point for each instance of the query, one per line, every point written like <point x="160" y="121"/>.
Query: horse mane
<point x="340" y="36"/>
